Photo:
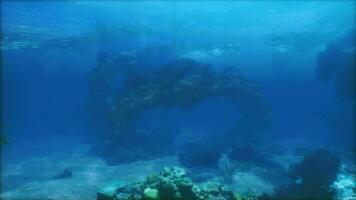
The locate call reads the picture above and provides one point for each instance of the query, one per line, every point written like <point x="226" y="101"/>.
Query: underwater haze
<point x="177" y="100"/>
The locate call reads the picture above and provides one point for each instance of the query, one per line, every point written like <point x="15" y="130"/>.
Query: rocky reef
<point x="170" y="184"/>
<point x="181" y="83"/>
<point x="336" y="64"/>
<point x="184" y="83"/>
<point x="312" y="178"/>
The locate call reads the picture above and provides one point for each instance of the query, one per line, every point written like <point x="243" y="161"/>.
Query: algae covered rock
<point x="170" y="184"/>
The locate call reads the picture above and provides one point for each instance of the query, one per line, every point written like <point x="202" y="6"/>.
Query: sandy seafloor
<point x="27" y="171"/>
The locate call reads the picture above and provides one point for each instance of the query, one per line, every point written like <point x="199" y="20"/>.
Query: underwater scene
<point x="177" y="100"/>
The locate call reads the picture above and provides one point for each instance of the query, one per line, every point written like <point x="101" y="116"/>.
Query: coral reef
<point x="336" y="63"/>
<point x="311" y="172"/>
<point x="345" y="184"/>
<point x="311" y="178"/>
<point x="181" y="83"/>
<point x="170" y="184"/>
<point x="184" y="83"/>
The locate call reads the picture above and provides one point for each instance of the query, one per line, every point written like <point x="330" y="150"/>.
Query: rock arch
<point x="181" y="83"/>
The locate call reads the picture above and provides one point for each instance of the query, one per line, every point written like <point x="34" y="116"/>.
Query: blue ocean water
<point x="234" y="92"/>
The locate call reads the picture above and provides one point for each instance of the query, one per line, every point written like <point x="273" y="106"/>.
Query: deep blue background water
<point x="45" y="80"/>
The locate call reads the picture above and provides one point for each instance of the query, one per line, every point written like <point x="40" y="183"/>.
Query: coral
<point x="336" y="63"/>
<point x="345" y="185"/>
<point x="150" y="194"/>
<point x="181" y="83"/>
<point x="311" y="178"/>
<point x="108" y="192"/>
<point x="311" y="172"/>
<point x="170" y="184"/>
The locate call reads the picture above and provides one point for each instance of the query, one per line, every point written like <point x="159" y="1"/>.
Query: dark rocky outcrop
<point x="181" y="83"/>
